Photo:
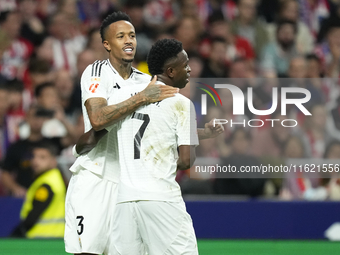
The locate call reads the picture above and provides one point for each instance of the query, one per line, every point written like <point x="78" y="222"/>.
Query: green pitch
<point x="206" y="247"/>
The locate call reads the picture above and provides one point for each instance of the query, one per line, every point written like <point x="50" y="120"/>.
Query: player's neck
<point x="123" y="68"/>
<point x="165" y="79"/>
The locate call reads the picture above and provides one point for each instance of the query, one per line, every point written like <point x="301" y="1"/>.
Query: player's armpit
<point x="89" y="140"/>
<point x="187" y="156"/>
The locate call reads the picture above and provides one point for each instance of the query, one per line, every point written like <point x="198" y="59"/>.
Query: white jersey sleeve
<point x="93" y="83"/>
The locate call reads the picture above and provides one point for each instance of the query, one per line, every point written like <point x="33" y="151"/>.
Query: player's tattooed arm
<point x="210" y="130"/>
<point x="102" y="115"/>
<point x="89" y="140"/>
<point x="187" y="157"/>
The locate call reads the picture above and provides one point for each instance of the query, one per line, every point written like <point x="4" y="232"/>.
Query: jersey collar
<point x="134" y="70"/>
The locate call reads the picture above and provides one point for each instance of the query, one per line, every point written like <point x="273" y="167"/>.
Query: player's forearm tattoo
<point x="102" y="115"/>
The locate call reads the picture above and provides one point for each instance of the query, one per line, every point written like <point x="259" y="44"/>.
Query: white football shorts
<point x="159" y="227"/>
<point x="90" y="205"/>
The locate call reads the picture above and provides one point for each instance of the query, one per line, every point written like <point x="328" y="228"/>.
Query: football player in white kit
<point x="92" y="192"/>
<point x="154" y="142"/>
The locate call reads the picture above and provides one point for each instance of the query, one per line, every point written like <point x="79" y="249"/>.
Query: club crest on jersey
<point x="95" y="79"/>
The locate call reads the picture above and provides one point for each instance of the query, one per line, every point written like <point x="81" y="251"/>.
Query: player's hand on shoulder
<point x="154" y="93"/>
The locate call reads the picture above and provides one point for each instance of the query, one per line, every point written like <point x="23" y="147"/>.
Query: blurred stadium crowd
<point x="46" y="44"/>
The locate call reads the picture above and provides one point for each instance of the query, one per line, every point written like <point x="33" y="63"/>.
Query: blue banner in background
<point x="256" y="219"/>
<point x="233" y="219"/>
<point x="9" y="214"/>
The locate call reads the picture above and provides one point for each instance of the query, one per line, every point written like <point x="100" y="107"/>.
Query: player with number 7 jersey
<point x="153" y="143"/>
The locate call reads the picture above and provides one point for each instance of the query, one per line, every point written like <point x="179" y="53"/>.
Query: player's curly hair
<point x="162" y="51"/>
<point x="112" y="18"/>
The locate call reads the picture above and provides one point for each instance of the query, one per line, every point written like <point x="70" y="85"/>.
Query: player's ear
<point x="107" y="46"/>
<point x="170" y="72"/>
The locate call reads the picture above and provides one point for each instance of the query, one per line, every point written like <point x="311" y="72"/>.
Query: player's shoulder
<point x="179" y="102"/>
<point x="97" y="68"/>
<point x="180" y="97"/>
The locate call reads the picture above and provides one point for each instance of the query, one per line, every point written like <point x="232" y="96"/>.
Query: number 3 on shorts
<point x="80" y="224"/>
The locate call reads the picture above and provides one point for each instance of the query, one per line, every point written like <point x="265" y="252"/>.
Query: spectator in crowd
<point x="295" y="183"/>
<point x="15" y="57"/>
<point x="329" y="51"/>
<point x="95" y="45"/>
<point x="237" y="47"/>
<point x="242" y="75"/>
<point x="15" y="111"/>
<point x="226" y="183"/>
<point x="326" y="87"/>
<point x="39" y="71"/>
<point x="32" y="28"/>
<point x="275" y="136"/>
<point x="315" y="135"/>
<point x="161" y="15"/>
<point x="144" y="33"/>
<point x="188" y="31"/>
<point x="333" y="120"/>
<point x="67" y="44"/>
<point x="91" y="12"/>
<point x="314" y="66"/>
<point x="247" y="25"/>
<point x="289" y="10"/>
<point x="57" y="124"/>
<point x="43" y="212"/>
<point x="312" y="12"/>
<point x="332" y="184"/>
<point x="327" y="23"/>
<point x="69" y="95"/>
<point x="17" y="174"/>
<point x="298" y="72"/>
<point x="215" y="66"/>
<point x="276" y="55"/>
<point x="84" y="59"/>
<point x="45" y="50"/>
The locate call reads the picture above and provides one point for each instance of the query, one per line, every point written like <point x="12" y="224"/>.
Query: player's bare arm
<point x="102" y="115"/>
<point x="209" y="130"/>
<point x="89" y="140"/>
<point x="187" y="157"/>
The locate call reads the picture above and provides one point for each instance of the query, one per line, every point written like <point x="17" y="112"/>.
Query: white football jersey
<point x="100" y="79"/>
<point x="148" y="140"/>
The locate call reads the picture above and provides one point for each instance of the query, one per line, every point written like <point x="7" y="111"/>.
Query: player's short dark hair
<point x="39" y="89"/>
<point x="53" y="150"/>
<point x="162" y="51"/>
<point x="112" y="18"/>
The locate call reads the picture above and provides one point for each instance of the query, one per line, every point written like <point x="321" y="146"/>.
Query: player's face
<point x="182" y="70"/>
<point x="121" y="41"/>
